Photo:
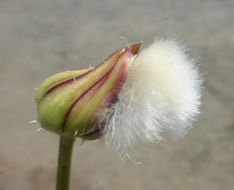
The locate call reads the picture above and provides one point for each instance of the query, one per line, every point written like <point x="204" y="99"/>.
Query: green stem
<point x="64" y="163"/>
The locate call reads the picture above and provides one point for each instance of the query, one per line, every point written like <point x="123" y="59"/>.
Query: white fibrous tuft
<point x="160" y="98"/>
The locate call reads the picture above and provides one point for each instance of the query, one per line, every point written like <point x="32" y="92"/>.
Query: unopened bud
<point x="68" y="102"/>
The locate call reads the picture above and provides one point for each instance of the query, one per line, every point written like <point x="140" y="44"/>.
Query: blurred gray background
<point x="41" y="37"/>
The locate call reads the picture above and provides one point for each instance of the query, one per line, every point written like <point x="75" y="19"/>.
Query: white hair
<point x="160" y="98"/>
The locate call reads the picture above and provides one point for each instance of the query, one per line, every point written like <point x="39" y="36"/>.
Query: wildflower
<point x="68" y="102"/>
<point x="130" y="97"/>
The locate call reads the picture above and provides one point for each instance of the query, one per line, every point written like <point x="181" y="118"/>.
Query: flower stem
<point x="64" y="163"/>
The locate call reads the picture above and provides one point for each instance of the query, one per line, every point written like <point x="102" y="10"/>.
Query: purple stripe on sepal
<point x="134" y="49"/>
<point x="101" y="81"/>
<point x="93" y="133"/>
<point x="79" y="77"/>
<point x="67" y="82"/>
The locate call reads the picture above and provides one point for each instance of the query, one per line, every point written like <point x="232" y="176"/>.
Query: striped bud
<point x="68" y="102"/>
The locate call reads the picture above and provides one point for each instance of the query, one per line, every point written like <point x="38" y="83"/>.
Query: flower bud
<point x="68" y="102"/>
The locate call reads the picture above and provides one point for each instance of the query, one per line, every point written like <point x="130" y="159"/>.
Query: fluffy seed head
<point x="160" y="98"/>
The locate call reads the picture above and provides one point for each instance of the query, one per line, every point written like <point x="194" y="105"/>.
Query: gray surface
<point x="40" y="38"/>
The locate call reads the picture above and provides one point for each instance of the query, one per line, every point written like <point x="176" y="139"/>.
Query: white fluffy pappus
<point x="160" y="98"/>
